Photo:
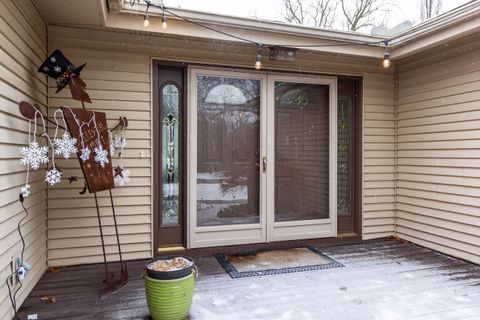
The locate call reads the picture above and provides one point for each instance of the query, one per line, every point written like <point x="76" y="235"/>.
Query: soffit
<point x="70" y="12"/>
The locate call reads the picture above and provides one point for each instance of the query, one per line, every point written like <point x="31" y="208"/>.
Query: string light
<point x="146" y="22"/>
<point x="164" y="20"/>
<point x="386" y="55"/>
<point x="258" y="58"/>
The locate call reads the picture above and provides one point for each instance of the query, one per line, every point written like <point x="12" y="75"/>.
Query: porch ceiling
<point x="71" y="12"/>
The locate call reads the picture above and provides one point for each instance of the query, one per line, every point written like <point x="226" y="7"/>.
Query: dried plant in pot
<point x="169" y="285"/>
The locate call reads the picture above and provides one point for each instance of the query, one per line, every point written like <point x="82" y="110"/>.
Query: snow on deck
<point x="382" y="280"/>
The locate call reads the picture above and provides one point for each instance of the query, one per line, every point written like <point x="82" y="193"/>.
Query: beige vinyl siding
<point x="438" y="197"/>
<point x="23" y="47"/>
<point x="118" y="79"/>
<point x="119" y="85"/>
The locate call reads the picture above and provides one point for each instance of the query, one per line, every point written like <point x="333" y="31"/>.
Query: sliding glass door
<point x="260" y="150"/>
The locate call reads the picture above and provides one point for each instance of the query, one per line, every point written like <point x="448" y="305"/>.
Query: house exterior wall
<point x="119" y="83"/>
<point x="23" y="47"/>
<point x="438" y="149"/>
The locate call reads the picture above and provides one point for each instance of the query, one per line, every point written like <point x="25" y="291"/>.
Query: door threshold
<point x="170" y="249"/>
<point x="347" y="235"/>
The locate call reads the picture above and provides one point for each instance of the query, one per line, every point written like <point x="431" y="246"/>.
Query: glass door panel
<point x="228" y="151"/>
<point x="301" y="151"/>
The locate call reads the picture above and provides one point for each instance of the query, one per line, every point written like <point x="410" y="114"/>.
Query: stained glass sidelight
<point x="170" y="148"/>
<point x="343" y="155"/>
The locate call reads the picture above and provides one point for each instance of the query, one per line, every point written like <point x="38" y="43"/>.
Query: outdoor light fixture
<point x="282" y="53"/>
<point x="146" y="22"/>
<point x="386" y="56"/>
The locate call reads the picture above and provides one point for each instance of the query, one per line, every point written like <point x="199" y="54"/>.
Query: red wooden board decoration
<point x="98" y="178"/>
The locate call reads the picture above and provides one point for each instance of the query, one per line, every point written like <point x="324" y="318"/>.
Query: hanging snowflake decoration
<point x="53" y="176"/>
<point x="65" y="145"/>
<point x="101" y="156"/>
<point x="120" y="142"/>
<point x="112" y="145"/>
<point x="85" y="154"/>
<point x="25" y="190"/>
<point x="34" y="155"/>
<point x="121" y="176"/>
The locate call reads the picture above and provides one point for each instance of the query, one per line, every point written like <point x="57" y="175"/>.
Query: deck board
<point x="383" y="279"/>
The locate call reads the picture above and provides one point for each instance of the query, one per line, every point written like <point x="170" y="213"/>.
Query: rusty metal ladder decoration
<point x="29" y="112"/>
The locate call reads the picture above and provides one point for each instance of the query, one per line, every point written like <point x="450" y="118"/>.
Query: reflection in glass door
<point x="228" y="149"/>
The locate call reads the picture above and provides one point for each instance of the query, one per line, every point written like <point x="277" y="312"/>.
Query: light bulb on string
<point x="386" y="56"/>
<point x="258" y="62"/>
<point x="146" y="21"/>
<point x="258" y="57"/>
<point x="164" y="21"/>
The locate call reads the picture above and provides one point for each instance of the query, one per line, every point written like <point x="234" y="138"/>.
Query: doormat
<point x="268" y="262"/>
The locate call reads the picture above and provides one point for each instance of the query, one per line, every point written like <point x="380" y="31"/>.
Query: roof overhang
<point x="452" y="25"/>
<point x="120" y="15"/>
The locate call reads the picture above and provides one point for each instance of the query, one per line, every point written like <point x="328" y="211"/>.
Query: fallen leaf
<point x="53" y="269"/>
<point x="48" y="299"/>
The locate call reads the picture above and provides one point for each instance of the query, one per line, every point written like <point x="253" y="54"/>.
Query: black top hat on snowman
<point x="65" y="73"/>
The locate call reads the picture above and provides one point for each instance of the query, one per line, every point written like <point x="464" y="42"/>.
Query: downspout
<point x="395" y="150"/>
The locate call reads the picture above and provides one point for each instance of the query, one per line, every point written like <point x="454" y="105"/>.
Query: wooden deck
<point x="383" y="279"/>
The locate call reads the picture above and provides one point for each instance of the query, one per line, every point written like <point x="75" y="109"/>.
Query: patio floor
<point x="383" y="279"/>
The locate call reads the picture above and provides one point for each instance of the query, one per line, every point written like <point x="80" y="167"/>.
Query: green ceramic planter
<point x="169" y="299"/>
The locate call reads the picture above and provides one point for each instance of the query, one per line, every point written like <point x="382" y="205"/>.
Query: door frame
<point x="156" y="157"/>
<point x="305" y="229"/>
<point x="227" y="234"/>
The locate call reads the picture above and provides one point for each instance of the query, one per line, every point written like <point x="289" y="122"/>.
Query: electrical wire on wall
<point x="19" y="271"/>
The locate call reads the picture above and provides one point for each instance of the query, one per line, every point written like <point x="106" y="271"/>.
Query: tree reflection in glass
<point x="228" y="150"/>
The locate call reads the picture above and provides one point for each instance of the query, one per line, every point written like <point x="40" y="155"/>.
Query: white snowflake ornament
<point x="57" y="69"/>
<point x="85" y="154"/>
<point x="53" y="176"/>
<point x="121" y="176"/>
<point x="65" y="145"/>
<point x="120" y="142"/>
<point x="34" y="155"/>
<point x="25" y="190"/>
<point x="101" y="156"/>
<point x="112" y="144"/>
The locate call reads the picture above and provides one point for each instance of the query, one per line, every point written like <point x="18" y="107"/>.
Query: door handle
<point x="264" y="162"/>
